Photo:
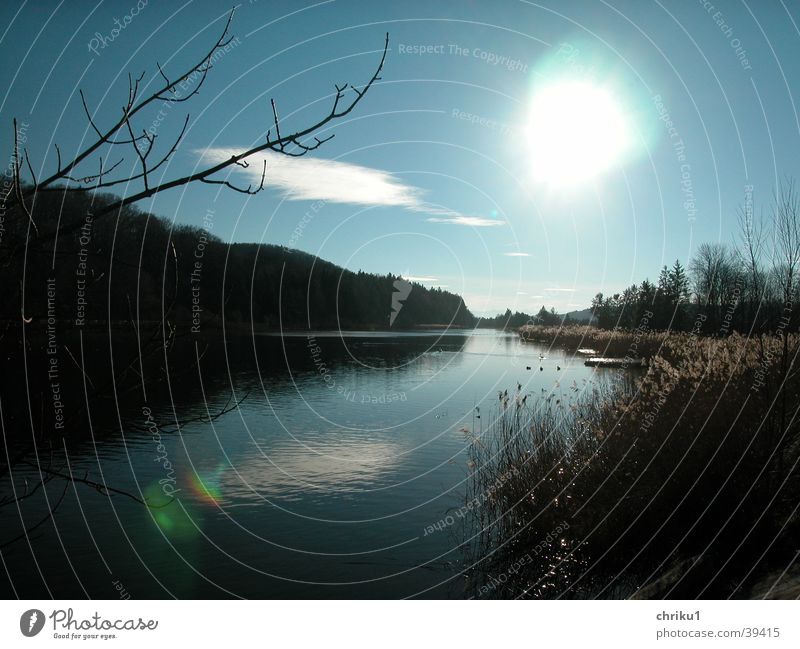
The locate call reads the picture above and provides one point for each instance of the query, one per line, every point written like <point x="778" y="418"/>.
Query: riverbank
<point x="641" y="343"/>
<point x="680" y="484"/>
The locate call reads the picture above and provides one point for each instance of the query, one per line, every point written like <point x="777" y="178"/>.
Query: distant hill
<point x="581" y="316"/>
<point x="509" y="320"/>
<point x="139" y="267"/>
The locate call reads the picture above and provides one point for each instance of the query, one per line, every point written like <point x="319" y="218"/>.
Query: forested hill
<point x="136" y="266"/>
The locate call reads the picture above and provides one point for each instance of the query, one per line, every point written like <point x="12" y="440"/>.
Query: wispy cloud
<point x="473" y="221"/>
<point x="415" y="278"/>
<point x="537" y="297"/>
<point x="516" y="254"/>
<point x="521" y="293"/>
<point x="312" y="179"/>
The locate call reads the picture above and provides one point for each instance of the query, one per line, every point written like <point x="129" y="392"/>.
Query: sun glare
<point x="577" y="131"/>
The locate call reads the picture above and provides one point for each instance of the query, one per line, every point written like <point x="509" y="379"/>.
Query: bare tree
<point x="714" y="271"/>
<point x="750" y="251"/>
<point x="786" y="262"/>
<point x="123" y="134"/>
<point x="786" y="218"/>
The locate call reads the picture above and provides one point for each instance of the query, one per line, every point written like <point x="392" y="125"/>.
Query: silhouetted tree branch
<point x="123" y="132"/>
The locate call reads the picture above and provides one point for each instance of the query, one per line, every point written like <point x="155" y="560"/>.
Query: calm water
<point x="321" y="484"/>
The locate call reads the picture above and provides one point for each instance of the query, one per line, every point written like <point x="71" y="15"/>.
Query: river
<point x="333" y="478"/>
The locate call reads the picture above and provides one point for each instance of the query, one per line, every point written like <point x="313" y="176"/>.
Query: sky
<point x="520" y="154"/>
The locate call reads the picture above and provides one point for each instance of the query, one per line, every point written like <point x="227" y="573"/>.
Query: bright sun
<point x="577" y="130"/>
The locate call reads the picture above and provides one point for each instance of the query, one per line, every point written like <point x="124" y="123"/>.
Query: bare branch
<point x="9" y="500"/>
<point x="133" y="107"/>
<point x="30" y="167"/>
<point x="248" y="190"/>
<point x="94" y="126"/>
<point x="164" y="76"/>
<point x="88" y="116"/>
<point x="293" y="144"/>
<point x="294" y="138"/>
<point x="98" y="486"/>
<point x="275" y="117"/>
<point x="102" y="184"/>
<point x="98" y="176"/>
<point x="41" y="522"/>
<point x="17" y="182"/>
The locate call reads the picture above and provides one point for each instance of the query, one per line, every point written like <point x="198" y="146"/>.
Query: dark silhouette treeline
<point x="666" y="305"/>
<point x="137" y="267"/>
<point x="718" y="295"/>
<point x="517" y="319"/>
<point x="750" y="286"/>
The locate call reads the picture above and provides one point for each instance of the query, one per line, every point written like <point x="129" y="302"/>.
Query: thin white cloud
<point x="521" y="293"/>
<point x="537" y="297"/>
<point x="317" y="179"/>
<point x="312" y="179"/>
<point x="516" y="254"/>
<point x="473" y="221"/>
<point x="414" y="278"/>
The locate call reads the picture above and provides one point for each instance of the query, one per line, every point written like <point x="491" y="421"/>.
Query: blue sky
<point x="431" y="176"/>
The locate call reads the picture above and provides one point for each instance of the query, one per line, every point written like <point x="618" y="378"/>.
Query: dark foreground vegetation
<point x="681" y="482"/>
<point x="140" y="267"/>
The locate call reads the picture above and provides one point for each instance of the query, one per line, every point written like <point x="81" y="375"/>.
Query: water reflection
<point x="271" y="496"/>
<point x="335" y="467"/>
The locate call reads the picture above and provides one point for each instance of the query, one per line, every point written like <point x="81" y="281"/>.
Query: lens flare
<point x="175" y="521"/>
<point x="206" y="485"/>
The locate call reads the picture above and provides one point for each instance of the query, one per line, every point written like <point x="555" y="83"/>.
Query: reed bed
<point x="608" y="342"/>
<point x="682" y="483"/>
